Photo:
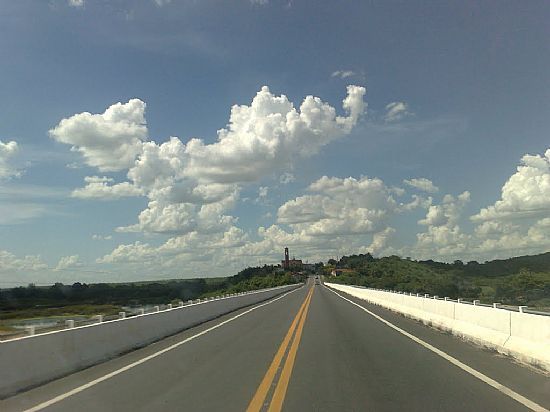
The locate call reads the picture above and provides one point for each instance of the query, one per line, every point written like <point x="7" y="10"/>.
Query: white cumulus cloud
<point x="191" y="186"/>
<point x="287" y="178"/>
<point x="68" y="262"/>
<point x="76" y="3"/>
<point x="423" y="184"/>
<point x="8" y="151"/>
<point x="448" y="212"/>
<point x="396" y="111"/>
<point x="269" y="134"/>
<point x="10" y="262"/>
<point x="109" y="141"/>
<point x="340" y="206"/>
<point x="102" y="188"/>
<point x="525" y="194"/>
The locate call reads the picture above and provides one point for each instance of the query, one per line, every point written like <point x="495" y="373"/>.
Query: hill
<point x="523" y="280"/>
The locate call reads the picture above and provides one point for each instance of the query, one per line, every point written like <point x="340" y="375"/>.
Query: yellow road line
<point x="258" y="400"/>
<point x="280" y="391"/>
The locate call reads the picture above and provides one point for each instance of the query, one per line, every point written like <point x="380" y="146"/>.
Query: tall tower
<point x="287" y="263"/>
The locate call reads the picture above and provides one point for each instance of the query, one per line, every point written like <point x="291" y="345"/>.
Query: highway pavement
<point x="309" y="350"/>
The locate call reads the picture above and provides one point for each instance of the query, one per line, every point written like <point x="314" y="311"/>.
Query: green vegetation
<point x="516" y="281"/>
<point x="82" y="299"/>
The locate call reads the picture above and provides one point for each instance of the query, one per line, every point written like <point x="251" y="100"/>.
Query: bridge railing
<point x="518" y="333"/>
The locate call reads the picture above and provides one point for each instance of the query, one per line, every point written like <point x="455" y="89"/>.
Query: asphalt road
<point x="310" y="350"/>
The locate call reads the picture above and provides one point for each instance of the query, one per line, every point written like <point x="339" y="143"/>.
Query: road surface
<point x="308" y="350"/>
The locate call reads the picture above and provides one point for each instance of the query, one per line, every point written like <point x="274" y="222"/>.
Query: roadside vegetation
<point x="521" y="280"/>
<point x="108" y="298"/>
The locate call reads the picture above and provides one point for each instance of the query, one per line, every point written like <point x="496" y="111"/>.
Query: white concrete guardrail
<point x="32" y="360"/>
<point x="524" y="336"/>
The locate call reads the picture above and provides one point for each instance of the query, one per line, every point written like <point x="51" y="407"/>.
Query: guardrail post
<point x="141" y="311"/>
<point x="459" y="300"/>
<point x="190" y="301"/>
<point x="427" y="295"/>
<point x="522" y="309"/>
<point x="435" y="296"/>
<point x="99" y="318"/>
<point x="122" y="315"/>
<point x="157" y="308"/>
<point x="169" y="306"/>
<point x="446" y="298"/>
<point x="180" y="303"/>
<point x="69" y="323"/>
<point x="31" y="330"/>
<point x="476" y="302"/>
<point x="496" y="305"/>
<point x="418" y="295"/>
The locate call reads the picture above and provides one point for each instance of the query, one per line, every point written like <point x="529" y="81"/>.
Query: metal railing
<point x="80" y="320"/>
<point x="476" y="302"/>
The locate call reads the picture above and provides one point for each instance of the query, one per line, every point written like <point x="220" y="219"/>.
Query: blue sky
<point x="440" y="151"/>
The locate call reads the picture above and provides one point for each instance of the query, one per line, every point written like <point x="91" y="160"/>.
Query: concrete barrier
<point x="524" y="336"/>
<point x="33" y="360"/>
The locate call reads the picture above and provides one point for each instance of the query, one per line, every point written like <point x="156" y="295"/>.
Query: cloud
<point x="101" y="237"/>
<point x="259" y="2"/>
<point x="269" y="134"/>
<point x="11" y="263"/>
<point x="342" y="74"/>
<point x="443" y="237"/>
<point x="68" y="262"/>
<point x="109" y="141"/>
<point x="499" y="239"/>
<point x="262" y="192"/>
<point x="7" y="152"/>
<point x="73" y="165"/>
<point x="396" y="111"/>
<point x="136" y="252"/>
<point x="334" y="216"/>
<point x="448" y="212"/>
<point x="99" y="188"/>
<point x="192" y="185"/>
<point x="161" y="3"/>
<point x="76" y="3"/>
<point x="380" y="240"/>
<point x="186" y="248"/>
<point x="417" y="202"/>
<point x="525" y="194"/>
<point x="423" y="184"/>
<point x="340" y="207"/>
<point x="286" y="178"/>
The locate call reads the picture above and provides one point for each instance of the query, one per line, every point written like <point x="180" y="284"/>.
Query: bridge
<point x="311" y="348"/>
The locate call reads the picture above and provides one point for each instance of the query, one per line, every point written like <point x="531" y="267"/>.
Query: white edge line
<point x="489" y="381"/>
<point x="147" y="358"/>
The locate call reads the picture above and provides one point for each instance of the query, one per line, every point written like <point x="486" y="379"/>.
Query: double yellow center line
<point x="257" y="402"/>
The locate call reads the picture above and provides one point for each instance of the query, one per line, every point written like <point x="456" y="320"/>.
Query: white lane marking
<point x="491" y="382"/>
<point x="147" y="358"/>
